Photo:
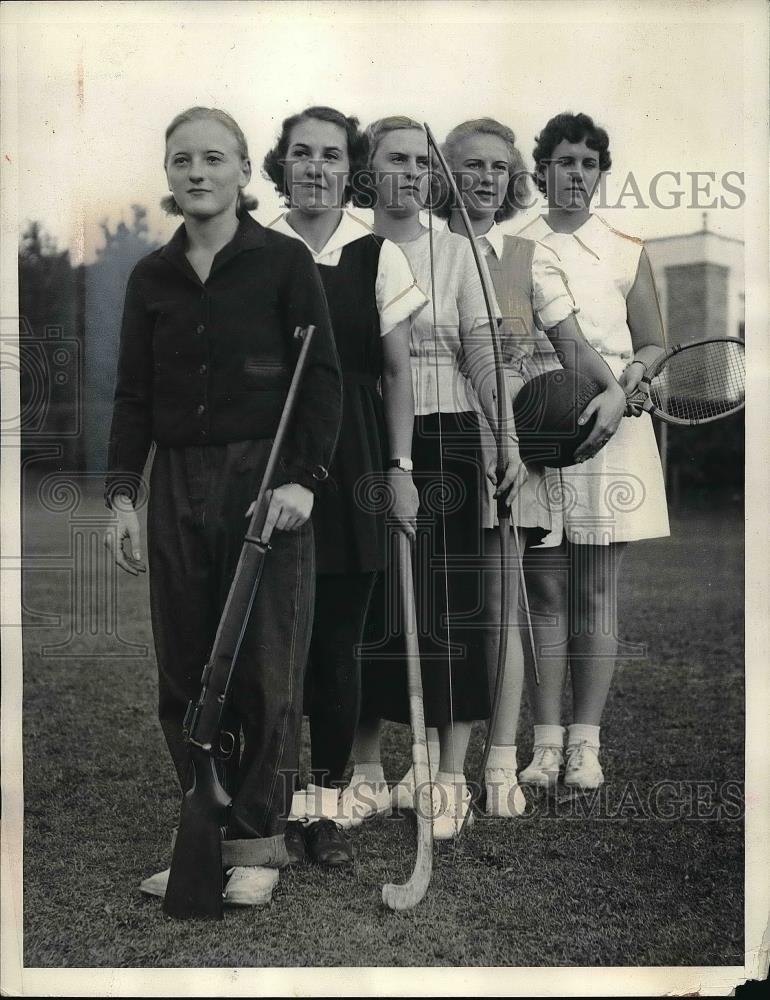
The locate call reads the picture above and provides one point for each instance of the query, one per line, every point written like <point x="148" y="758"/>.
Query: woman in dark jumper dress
<point x="371" y="294"/>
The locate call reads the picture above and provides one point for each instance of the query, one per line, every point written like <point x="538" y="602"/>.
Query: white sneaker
<point x="298" y="806"/>
<point x="504" y="795"/>
<point x="547" y="761"/>
<point x="583" y="769"/>
<point x="156" y="884"/>
<point x="250" y="886"/>
<point x="402" y="793"/>
<point x="363" y="800"/>
<point x="448" y="813"/>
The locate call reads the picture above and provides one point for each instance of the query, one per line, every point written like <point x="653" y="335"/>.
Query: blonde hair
<point x="375" y="132"/>
<point x="517" y="194"/>
<point x="246" y="203"/>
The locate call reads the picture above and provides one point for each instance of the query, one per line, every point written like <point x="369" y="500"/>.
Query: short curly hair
<point x="573" y="128"/>
<point x="273" y="166"/>
<point x="517" y="194"/>
<point x="246" y="203"/>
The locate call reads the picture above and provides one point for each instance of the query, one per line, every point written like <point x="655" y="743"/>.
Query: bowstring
<point x="441" y="458"/>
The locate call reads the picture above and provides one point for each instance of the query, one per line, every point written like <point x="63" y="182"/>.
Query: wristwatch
<point x="404" y="464"/>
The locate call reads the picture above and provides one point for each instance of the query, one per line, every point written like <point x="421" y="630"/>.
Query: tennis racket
<point x="693" y="383"/>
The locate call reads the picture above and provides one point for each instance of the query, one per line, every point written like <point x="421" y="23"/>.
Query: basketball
<point x="546" y="412"/>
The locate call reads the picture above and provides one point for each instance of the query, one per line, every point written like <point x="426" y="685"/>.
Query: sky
<point x="99" y="83"/>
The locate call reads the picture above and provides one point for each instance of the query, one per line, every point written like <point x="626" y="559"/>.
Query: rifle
<point x="195" y="883"/>
<point x="408" y="895"/>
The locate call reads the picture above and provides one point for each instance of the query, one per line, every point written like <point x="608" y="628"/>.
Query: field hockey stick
<point x="693" y="383"/>
<point x="408" y="895"/>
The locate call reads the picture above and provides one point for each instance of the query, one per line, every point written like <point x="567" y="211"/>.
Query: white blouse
<point x="619" y="494"/>
<point x="439" y="380"/>
<point x="601" y="264"/>
<point x="397" y="293"/>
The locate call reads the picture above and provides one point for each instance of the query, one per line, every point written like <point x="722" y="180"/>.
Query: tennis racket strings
<point x="700" y="382"/>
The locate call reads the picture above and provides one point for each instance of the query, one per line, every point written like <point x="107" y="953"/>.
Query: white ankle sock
<point x="502" y="756"/>
<point x="369" y="771"/>
<point x="580" y="733"/>
<point x="321" y="802"/>
<point x="447" y="778"/>
<point x="551" y="736"/>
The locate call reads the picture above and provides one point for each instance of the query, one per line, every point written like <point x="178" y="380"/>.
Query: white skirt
<point x="616" y="496"/>
<point x="533" y="506"/>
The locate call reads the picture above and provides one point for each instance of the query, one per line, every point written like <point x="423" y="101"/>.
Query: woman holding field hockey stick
<point x="452" y="361"/>
<point x="371" y="293"/>
<point x="207" y="351"/>
<point x="616" y="495"/>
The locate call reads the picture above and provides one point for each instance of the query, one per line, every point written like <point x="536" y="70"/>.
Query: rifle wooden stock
<point x="195" y="883"/>
<point x="408" y="895"/>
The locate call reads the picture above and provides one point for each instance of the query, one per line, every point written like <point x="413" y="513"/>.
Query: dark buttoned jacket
<point x="210" y="362"/>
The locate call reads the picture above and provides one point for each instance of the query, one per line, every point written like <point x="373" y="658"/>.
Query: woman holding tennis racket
<point x="610" y="498"/>
<point x="538" y="316"/>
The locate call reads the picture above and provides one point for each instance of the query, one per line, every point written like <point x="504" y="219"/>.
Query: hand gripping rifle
<point x="195" y="883"/>
<point x="404" y="897"/>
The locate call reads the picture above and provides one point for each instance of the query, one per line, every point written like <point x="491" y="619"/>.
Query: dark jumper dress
<point x="348" y="518"/>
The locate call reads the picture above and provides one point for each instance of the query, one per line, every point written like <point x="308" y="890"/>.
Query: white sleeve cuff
<point x="397" y="292"/>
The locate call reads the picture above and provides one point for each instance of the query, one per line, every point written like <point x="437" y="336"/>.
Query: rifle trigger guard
<point x="253" y="540"/>
<point x="226" y="745"/>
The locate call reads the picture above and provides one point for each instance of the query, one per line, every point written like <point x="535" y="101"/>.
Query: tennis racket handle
<point x="637" y="401"/>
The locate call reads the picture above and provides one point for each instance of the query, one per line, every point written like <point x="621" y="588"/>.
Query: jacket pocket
<point x="265" y="374"/>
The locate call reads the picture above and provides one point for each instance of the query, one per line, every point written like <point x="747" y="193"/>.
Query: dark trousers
<point x="333" y="680"/>
<point x="196" y="524"/>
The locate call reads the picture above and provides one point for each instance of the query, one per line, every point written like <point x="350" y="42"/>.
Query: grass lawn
<point x="649" y="872"/>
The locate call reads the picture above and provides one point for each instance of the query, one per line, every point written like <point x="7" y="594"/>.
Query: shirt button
<point x="201" y="409"/>
<point x="203" y="369"/>
<point x="200" y="328"/>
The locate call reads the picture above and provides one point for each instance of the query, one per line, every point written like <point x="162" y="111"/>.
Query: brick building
<point x="700" y="281"/>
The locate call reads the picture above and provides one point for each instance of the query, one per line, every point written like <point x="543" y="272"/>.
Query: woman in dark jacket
<point x="206" y="354"/>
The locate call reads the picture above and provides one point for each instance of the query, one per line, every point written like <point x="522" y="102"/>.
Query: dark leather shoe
<point x="327" y="844"/>
<point x="295" y="842"/>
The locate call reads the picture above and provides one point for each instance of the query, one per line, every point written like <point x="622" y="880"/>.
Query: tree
<point x="105" y="286"/>
<point x="50" y="351"/>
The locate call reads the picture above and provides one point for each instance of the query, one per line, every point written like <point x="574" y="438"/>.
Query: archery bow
<point x="503" y="511"/>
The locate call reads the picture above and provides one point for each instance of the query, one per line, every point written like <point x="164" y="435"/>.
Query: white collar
<point x="536" y="230"/>
<point x="494" y="237"/>
<point x="589" y="236"/>
<point x="350" y="228"/>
